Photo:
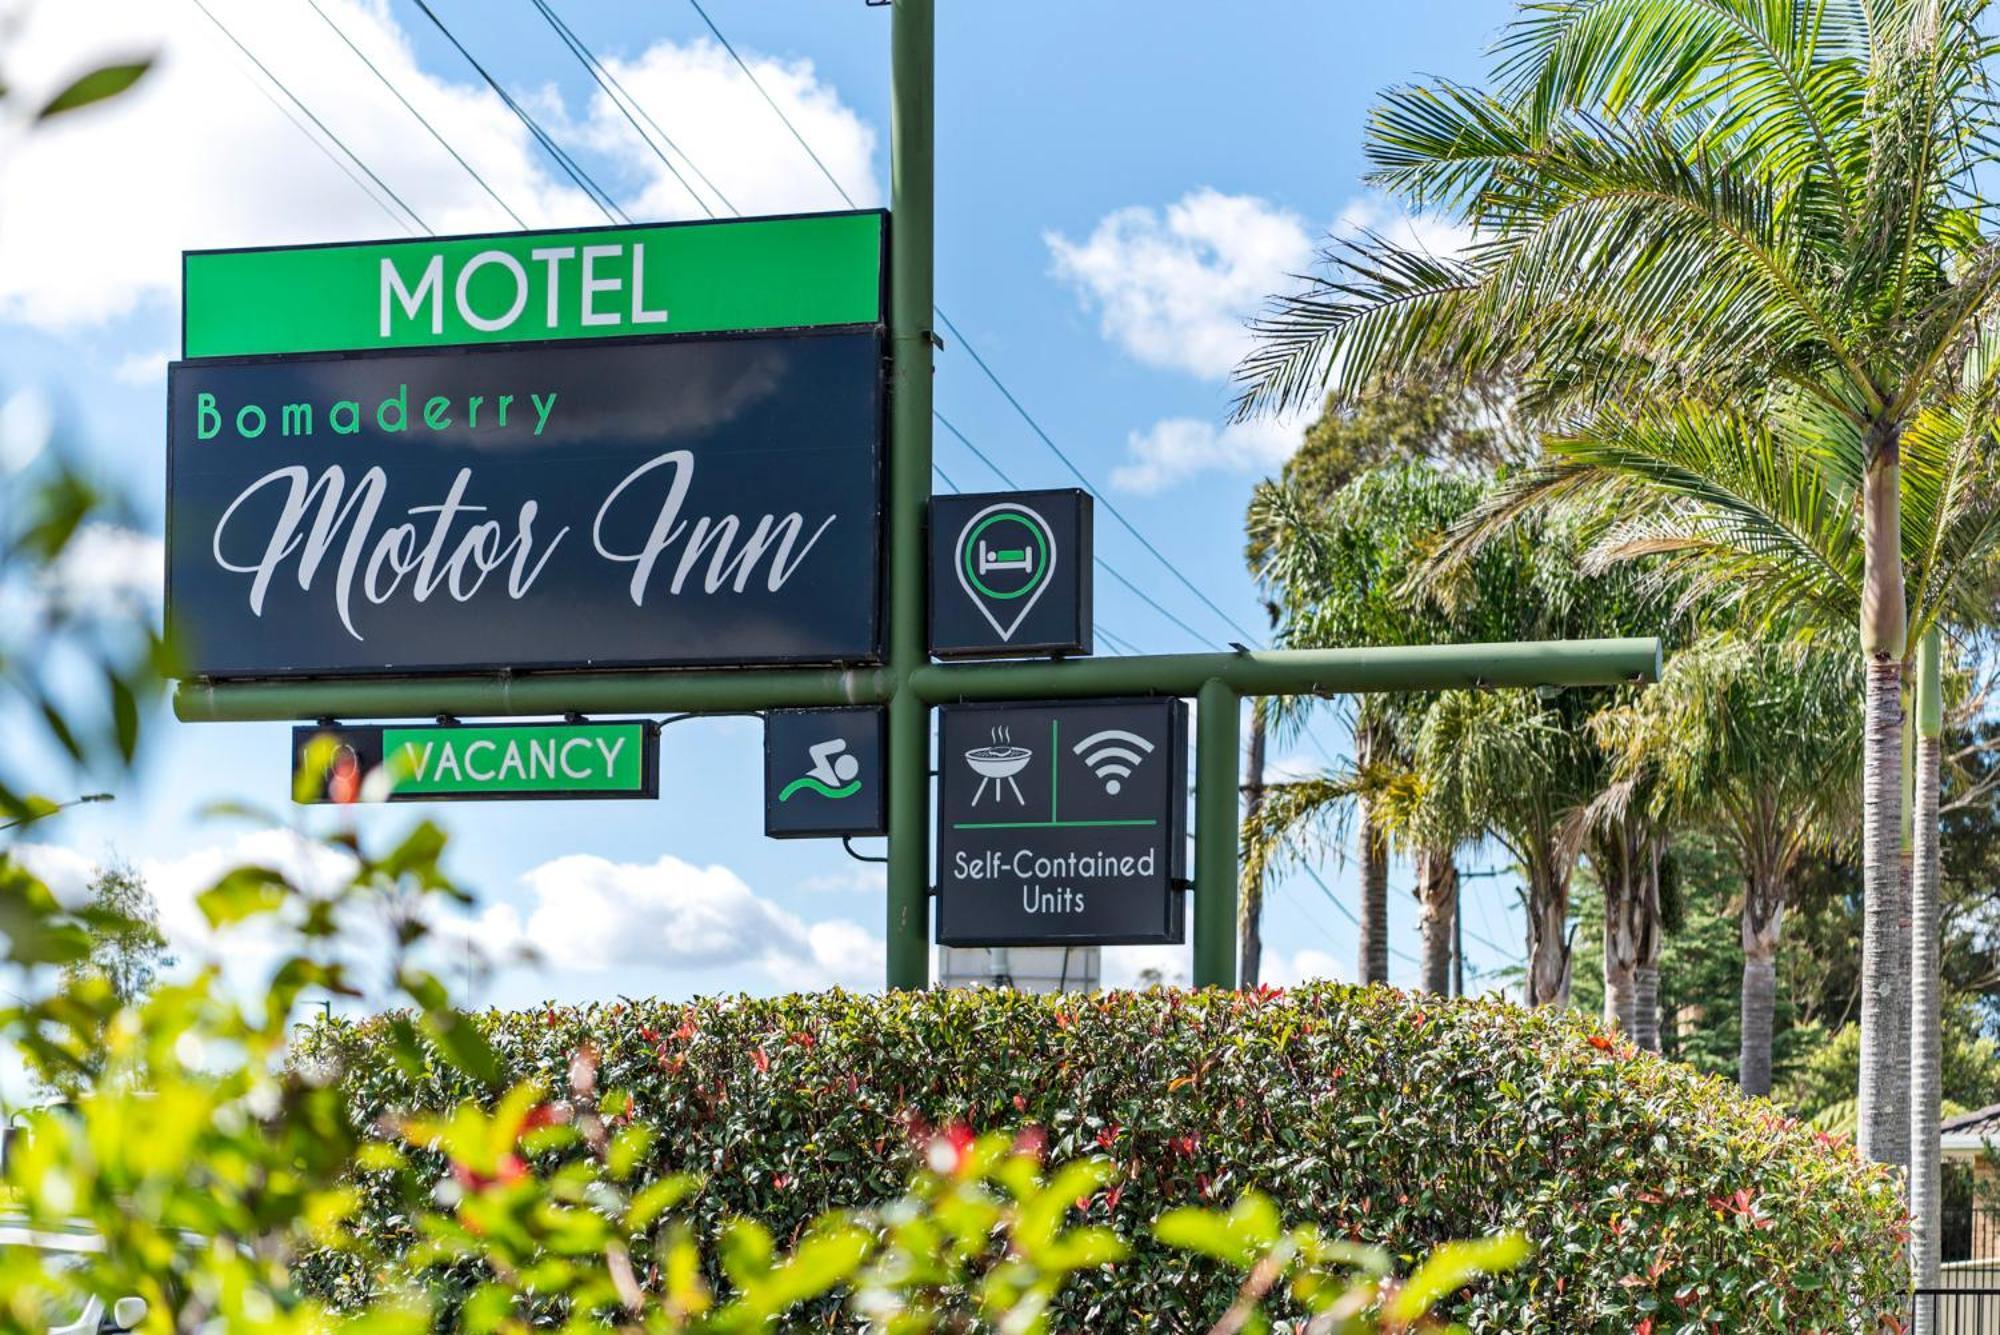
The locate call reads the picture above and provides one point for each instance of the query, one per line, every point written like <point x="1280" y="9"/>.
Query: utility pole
<point x="912" y="160"/>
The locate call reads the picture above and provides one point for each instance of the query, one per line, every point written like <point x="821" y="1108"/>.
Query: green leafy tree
<point x="1745" y="231"/>
<point x="125" y="953"/>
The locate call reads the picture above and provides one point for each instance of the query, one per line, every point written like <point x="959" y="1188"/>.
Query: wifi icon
<point x="1111" y="756"/>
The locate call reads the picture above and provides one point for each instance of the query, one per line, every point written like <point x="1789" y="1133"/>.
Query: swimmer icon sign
<point x="823" y="775"/>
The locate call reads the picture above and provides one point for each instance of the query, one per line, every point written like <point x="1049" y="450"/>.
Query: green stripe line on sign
<point x="811" y="271"/>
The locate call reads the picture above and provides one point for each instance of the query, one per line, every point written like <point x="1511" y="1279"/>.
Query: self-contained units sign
<point x="1062" y="824"/>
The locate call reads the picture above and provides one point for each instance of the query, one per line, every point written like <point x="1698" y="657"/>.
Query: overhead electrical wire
<point x="605" y="204"/>
<point x="606" y="82"/>
<point x="770" y="102"/>
<point x="307" y="111"/>
<point x="421" y="119"/>
<point x="973" y="352"/>
<point x="328" y="153"/>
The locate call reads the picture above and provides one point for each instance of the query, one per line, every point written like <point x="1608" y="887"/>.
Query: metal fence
<point x="1966" y="1299"/>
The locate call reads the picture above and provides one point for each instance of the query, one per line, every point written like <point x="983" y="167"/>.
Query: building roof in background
<point x="1968" y="1132"/>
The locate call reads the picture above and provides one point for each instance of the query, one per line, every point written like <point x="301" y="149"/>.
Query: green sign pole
<point x="1218" y="743"/>
<point x="912" y="157"/>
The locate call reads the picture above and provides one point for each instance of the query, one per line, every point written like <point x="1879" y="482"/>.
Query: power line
<point x="758" y="84"/>
<point x="605" y="82"/>
<point x="421" y="120"/>
<point x="293" y="97"/>
<point x="647" y="116"/>
<point x="973" y="352"/>
<point x="605" y="204"/>
<point x="1080" y="476"/>
<point x="314" y="140"/>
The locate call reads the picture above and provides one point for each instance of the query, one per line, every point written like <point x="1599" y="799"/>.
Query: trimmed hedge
<point x="1656" y="1199"/>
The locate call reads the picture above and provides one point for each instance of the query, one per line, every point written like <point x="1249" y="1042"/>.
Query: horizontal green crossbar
<point x="1272" y="672"/>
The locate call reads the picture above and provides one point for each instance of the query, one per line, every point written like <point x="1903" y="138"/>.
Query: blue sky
<point x="1118" y="185"/>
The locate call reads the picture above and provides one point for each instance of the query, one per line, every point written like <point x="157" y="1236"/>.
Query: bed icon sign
<point x="1006" y="553"/>
<point x="1010" y="574"/>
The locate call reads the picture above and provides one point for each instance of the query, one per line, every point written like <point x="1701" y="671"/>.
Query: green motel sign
<point x="801" y="272"/>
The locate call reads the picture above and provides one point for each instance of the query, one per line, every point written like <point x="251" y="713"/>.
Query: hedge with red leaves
<point x="1655" y="1198"/>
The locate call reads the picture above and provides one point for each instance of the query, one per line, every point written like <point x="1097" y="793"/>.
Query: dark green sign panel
<point x="810" y="271"/>
<point x="462" y="762"/>
<point x="1062" y="823"/>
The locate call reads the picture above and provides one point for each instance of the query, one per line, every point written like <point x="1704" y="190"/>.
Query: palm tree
<point x="1753" y="740"/>
<point x="1700" y="212"/>
<point x="1463" y="429"/>
<point x="1335" y="562"/>
<point x="1433" y="772"/>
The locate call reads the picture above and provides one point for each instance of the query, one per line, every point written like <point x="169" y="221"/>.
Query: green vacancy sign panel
<point x="809" y="271"/>
<point x="461" y="762"/>
<point x="1062" y="824"/>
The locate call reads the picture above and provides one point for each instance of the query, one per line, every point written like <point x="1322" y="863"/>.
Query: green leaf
<point x="458" y="1040"/>
<point x="243" y="892"/>
<point x="105" y="82"/>
<point x="1451" y="1267"/>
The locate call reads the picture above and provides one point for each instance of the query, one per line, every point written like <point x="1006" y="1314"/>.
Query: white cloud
<point x="591" y="914"/>
<point x="872" y="878"/>
<point x="1303" y="966"/>
<point x="1174" y="288"/>
<point x="699" y="97"/>
<point x="66" y="872"/>
<point x="1177" y="448"/>
<point x="1139" y="966"/>
<point x="1373" y="214"/>
<point x="107" y="570"/>
<point x="102" y="202"/>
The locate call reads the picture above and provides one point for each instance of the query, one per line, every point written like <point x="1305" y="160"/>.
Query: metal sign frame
<point x="906" y="681"/>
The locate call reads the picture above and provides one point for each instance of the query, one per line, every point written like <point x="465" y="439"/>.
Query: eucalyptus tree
<point x="1754" y="741"/>
<point x="1737" y="217"/>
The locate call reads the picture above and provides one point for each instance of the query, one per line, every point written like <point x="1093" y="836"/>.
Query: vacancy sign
<point x="460" y="762"/>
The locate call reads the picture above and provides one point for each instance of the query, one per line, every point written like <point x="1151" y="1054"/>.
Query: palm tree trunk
<point x="1617" y="875"/>
<point x="1437" y="905"/>
<point x="1762" y="924"/>
<point x="1884" y="990"/>
<point x="1926" y="1076"/>
<point x="1374" y="896"/>
<point x="1646" y="970"/>
<point x="1548" y="940"/>
<point x="1374" y="871"/>
<point x="1252" y="890"/>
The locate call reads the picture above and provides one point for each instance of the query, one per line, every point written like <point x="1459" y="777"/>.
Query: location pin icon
<point x="1005" y="556"/>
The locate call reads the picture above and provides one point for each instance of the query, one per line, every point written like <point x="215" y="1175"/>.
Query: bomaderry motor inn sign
<point x="631" y="447"/>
